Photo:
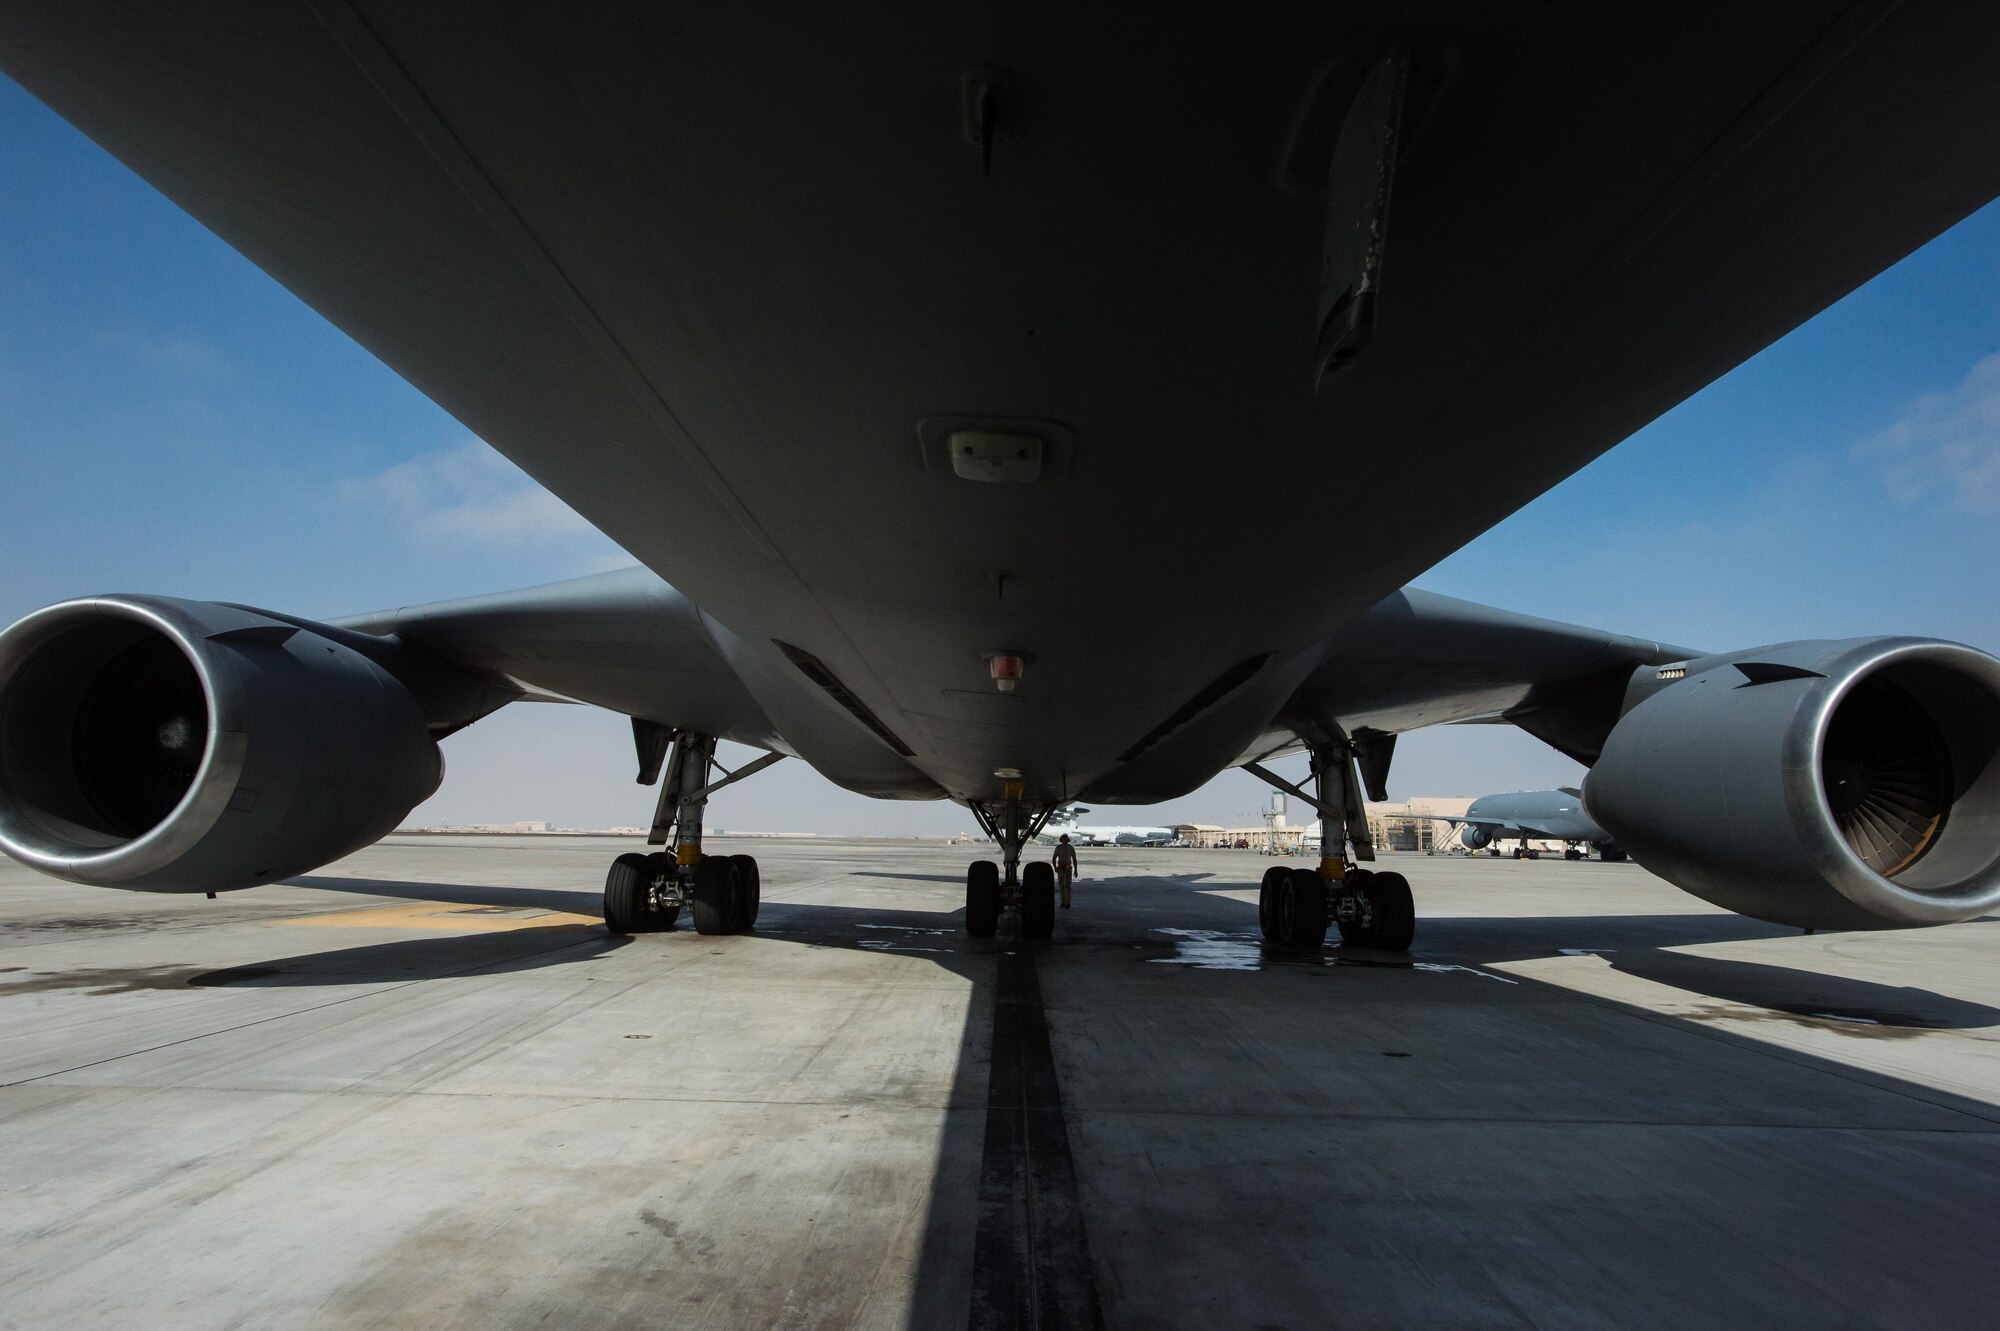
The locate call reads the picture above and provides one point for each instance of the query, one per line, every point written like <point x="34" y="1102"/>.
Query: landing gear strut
<point x="643" y="893"/>
<point x="991" y="889"/>
<point x="1295" y="906"/>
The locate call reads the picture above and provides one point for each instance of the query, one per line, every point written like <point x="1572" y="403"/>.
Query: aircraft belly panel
<point x="703" y="272"/>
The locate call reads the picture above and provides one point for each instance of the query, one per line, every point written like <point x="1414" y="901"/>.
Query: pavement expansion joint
<point x="1031" y="1255"/>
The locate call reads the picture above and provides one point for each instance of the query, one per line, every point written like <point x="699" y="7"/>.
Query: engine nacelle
<point x="1474" y="836"/>
<point x="1840" y="785"/>
<point x="181" y="746"/>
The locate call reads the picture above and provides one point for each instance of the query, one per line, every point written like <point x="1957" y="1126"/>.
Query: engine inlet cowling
<point x="182" y="746"/>
<point x="1850" y="785"/>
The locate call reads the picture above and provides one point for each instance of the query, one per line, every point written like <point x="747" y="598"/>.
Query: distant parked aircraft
<point x="1122" y="836"/>
<point x="1065" y="822"/>
<point x="1539" y="815"/>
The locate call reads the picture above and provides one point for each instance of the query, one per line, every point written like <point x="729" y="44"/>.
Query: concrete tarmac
<point x="423" y="1088"/>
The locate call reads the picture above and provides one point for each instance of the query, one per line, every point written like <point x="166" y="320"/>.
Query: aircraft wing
<point x="623" y="640"/>
<point x="1419" y="659"/>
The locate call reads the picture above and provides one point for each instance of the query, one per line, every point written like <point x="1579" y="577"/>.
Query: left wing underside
<point x="624" y="641"/>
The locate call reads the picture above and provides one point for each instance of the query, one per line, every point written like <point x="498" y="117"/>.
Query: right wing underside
<point x="1419" y="659"/>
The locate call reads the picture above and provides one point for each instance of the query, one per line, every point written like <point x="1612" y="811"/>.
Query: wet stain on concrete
<point x="688" y="1247"/>
<point x="131" y="979"/>
<point x="70" y="924"/>
<point x="233" y="975"/>
<point x="1873" y="1025"/>
<point x="102" y="980"/>
<point x="1377" y="963"/>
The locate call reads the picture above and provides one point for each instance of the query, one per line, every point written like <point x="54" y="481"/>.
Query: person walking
<point x="1065" y="862"/>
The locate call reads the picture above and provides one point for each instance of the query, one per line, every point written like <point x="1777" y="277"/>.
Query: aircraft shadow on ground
<point x="1121" y="919"/>
<point x="577" y="900"/>
<point x="454" y="951"/>
<point x="1638" y="945"/>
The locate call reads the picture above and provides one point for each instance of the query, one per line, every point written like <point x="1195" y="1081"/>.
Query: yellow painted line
<point x="443" y="915"/>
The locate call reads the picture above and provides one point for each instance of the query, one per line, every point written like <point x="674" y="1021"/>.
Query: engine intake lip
<point x="54" y="834"/>
<point x="1956" y="872"/>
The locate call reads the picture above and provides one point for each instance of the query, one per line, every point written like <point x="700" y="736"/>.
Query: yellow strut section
<point x="685" y="855"/>
<point x="1333" y="869"/>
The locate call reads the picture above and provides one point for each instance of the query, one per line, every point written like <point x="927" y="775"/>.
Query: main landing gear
<point x="1296" y="906"/>
<point x="1371" y="909"/>
<point x="991" y="890"/>
<point x="647" y="893"/>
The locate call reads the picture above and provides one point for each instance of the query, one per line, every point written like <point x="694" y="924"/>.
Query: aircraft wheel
<point x="749" y="893"/>
<point x="1395" y="923"/>
<point x="718" y="886"/>
<point x="982" y="899"/>
<point x="1570" y="853"/>
<point x="1302" y="911"/>
<point x="625" y="896"/>
<point x="1534" y="854"/>
<point x="1267" y="899"/>
<point x="1038" y="901"/>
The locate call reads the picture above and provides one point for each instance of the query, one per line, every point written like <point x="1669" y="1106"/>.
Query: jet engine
<point x="180" y="746"/>
<point x="1841" y="785"/>
<point x="1474" y="836"/>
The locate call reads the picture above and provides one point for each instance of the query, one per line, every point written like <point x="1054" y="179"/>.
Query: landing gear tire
<point x="982" y="899"/>
<point x="749" y="893"/>
<point x="625" y="896"/>
<point x="718" y="886"/>
<point x="1572" y="853"/>
<point x="1394" y="926"/>
<point x="1267" y="900"/>
<point x="1302" y="911"/>
<point x="1038" y="901"/>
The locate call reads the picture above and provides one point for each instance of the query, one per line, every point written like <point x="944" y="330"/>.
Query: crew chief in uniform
<point x="1065" y="862"/>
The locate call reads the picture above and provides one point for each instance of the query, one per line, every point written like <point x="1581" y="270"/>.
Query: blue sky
<point x="174" y="421"/>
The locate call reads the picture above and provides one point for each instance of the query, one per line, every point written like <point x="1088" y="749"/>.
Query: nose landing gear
<point x="1031" y="891"/>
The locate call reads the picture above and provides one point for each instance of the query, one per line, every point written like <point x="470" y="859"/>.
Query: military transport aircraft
<point x="1122" y="836"/>
<point x="936" y="362"/>
<point x="1531" y="815"/>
